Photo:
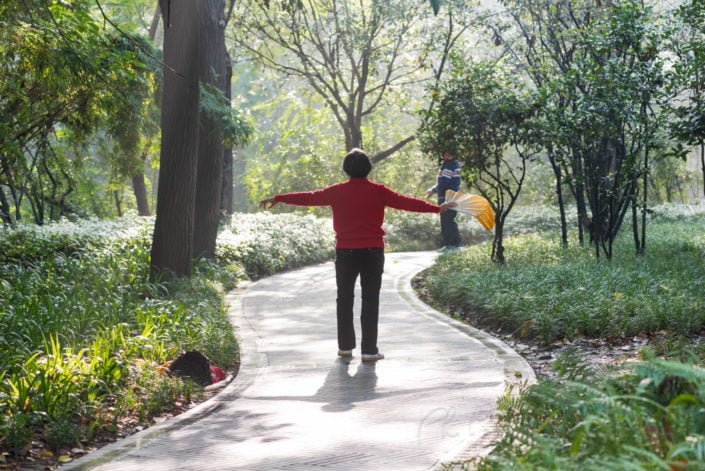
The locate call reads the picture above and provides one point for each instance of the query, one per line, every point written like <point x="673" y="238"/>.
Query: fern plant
<point x="646" y="416"/>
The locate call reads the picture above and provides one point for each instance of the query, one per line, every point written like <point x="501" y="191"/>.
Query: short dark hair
<point x="357" y="164"/>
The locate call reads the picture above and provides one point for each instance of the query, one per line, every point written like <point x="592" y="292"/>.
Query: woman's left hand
<point x="446" y="206"/>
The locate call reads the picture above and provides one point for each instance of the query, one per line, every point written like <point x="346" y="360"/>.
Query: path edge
<point x="517" y="370"/>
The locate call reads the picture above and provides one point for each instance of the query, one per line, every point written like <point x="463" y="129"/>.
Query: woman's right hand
<point x="267" y="202"/>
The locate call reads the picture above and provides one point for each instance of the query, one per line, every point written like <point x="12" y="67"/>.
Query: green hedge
<point x="266" y="243"/>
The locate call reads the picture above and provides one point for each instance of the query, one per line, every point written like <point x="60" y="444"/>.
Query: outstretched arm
<point x="305" y="198"/>
<point x="407" y="203"/>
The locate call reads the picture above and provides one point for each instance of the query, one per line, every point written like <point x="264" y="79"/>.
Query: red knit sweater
<point x="358" y="209"/>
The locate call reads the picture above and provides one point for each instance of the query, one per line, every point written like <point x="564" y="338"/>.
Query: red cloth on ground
<point x="358" y="209"/>
<point x="217" y="374"/>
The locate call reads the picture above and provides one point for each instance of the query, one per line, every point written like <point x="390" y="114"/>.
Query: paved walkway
<point x="295" y="406"/>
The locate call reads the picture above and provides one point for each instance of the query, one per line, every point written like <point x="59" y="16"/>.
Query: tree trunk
<point x="583" y="219"/>
<point x="118" y="202"/>
<point x="140" y="190"/>
<point x="498" y="241"/>
<point x="4" y="208"/>
<point x="210" y="141"/>
<point x="559" y="195"/>
<point x="642" y="247"/>
<point x="355" y="136"/>
<point x="173" y="229"/>
<point x="226" y="199"/>
<point x="155" y="22"/>
<point x="635" y="226"/>
<point x="702" y="162"/>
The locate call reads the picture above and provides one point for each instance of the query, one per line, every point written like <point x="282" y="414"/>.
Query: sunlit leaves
<point x="235" y="127"/>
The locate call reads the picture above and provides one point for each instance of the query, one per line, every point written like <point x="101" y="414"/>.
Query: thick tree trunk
<point x="210" y="141"/>
<point x="155" y="22"/>
<point x="139" y="188"/>
<point x="226" y="199"/>
<point x="173" y="229"/>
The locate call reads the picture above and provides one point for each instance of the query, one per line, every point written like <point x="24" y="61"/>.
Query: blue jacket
<point x="448" y="179"/>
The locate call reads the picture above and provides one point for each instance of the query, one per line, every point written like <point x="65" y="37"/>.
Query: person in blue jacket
<point x="448" y="179"/>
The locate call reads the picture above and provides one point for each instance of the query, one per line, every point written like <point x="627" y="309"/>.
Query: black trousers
<point x="369" y="264"/>
<point x="449" y="229"/>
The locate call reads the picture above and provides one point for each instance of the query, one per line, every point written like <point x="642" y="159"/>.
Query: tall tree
<point x="483" y="118"/>
<point x="688" y="79"/>
<point x="172" y="248"/>
<point x="600" y="74"/>
<point x="212" y="72"/>
<point x="352" y="53"/>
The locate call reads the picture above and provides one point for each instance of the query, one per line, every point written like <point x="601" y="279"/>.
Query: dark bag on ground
<point x="192" y="365"/>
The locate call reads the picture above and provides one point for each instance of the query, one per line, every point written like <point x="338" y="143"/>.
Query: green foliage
<point x="235" y="128"/>
<point x="650" y="415"/>
<point x="480" y="117"/>
<point x="602" y="86"/>
<point x="549" y="293"/>
<point x="480" y="114"/>
<point x="688" y="44"/>
<point x="296" y="147"/>
<point x="266" y="243"/>
<point x="61" y="72"/>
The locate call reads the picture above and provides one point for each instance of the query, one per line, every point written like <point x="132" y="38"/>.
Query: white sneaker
<point x="372" y="357"/>
<point x="345" y="353"/>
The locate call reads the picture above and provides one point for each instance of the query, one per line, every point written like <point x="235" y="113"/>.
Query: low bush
<point x="266" y="243"/>
<point x="547" y="293"/>
<point x="649" y="415"/>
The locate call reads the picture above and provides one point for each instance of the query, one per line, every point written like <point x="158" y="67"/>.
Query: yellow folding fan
<point x="472" y="205"/>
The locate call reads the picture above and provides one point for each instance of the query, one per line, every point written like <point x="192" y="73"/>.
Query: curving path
<point x="295" y="406"/>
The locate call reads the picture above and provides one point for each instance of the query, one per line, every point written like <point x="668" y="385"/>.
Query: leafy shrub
<point x="649" y="416"/>
<point x="29" y="243"/>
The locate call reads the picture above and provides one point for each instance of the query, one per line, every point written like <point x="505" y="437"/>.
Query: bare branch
<point x="386" y="153"/>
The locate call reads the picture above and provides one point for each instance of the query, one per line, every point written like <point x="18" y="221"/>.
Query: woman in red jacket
<point x="358" y="213"/>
